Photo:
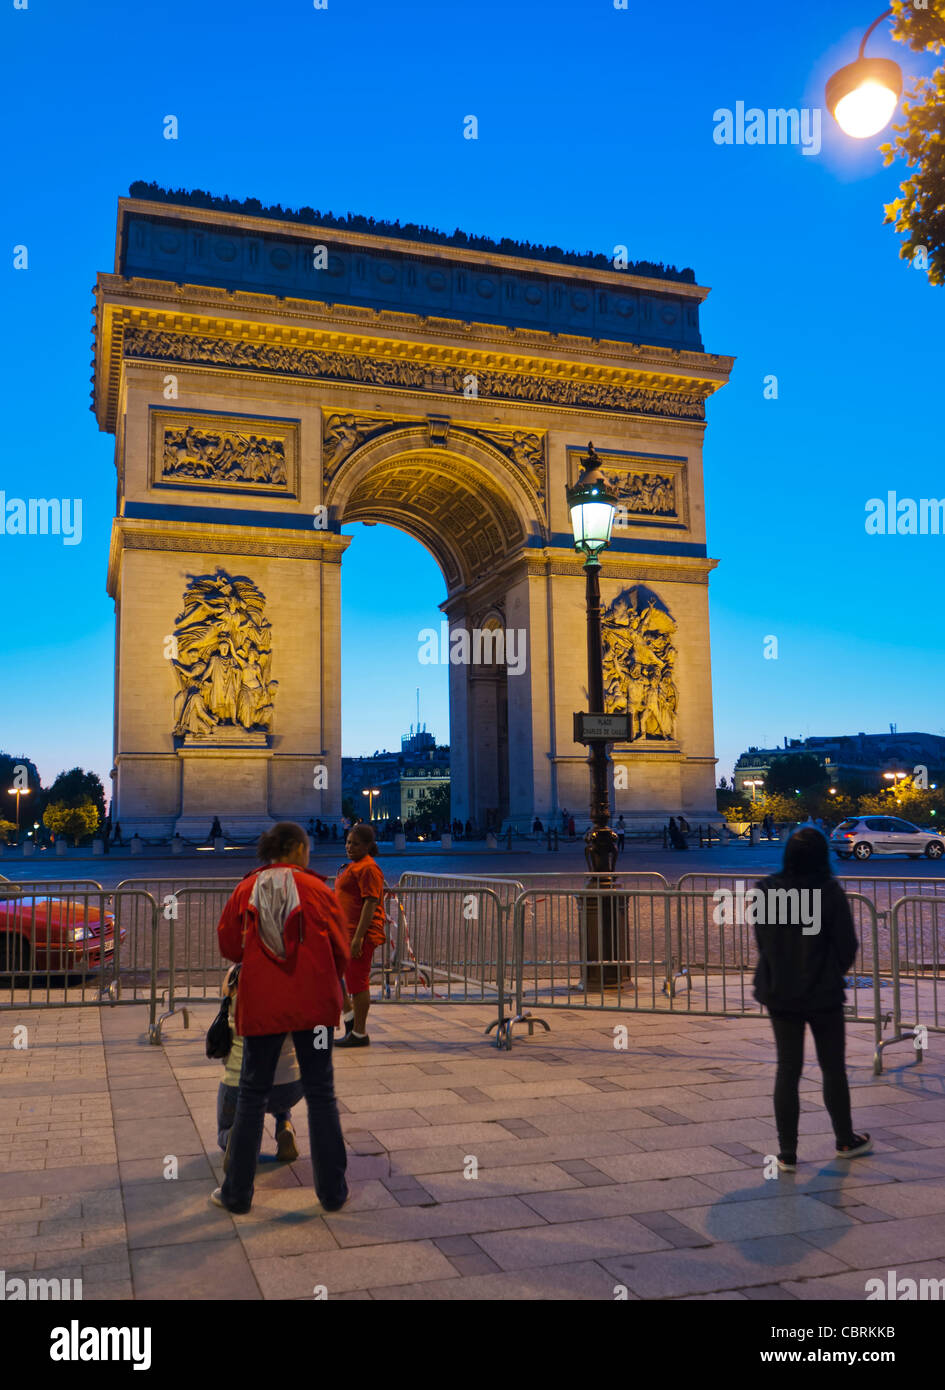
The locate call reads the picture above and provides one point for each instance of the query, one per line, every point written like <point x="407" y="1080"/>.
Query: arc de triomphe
<point x="268" y="379"/>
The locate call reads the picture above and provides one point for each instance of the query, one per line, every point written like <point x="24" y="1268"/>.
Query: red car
<point x="71" y="935"/>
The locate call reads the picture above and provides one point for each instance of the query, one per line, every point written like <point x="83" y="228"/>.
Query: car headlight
<point x="77" y="933"/>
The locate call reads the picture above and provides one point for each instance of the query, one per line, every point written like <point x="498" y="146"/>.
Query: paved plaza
<point x="600" y="1172"/>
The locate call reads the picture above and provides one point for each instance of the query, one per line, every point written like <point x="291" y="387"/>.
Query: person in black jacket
<point x="807" y="944"/>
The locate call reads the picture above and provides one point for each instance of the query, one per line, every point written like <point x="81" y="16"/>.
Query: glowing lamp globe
<point x="592" y="506"/>
<point x="862" y="96"/>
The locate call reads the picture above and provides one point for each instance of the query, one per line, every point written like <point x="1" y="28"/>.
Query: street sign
<point x="601" y="728"/>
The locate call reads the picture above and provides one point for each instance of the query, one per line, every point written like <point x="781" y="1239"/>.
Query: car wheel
<point x="15" y="954"/>
<point x="862" y="850"/>
<point x="934" y="850"/>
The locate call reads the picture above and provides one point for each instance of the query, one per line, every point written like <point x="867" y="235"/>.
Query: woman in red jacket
<point x="360" y="890"/>
<point x="284" y="925"/>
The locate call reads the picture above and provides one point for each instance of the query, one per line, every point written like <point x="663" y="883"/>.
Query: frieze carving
<point x="245" y="454"/>
<point x="222" y="659"/>
<point x="404" y="373"/>
<point x="645" y="494"/>
<point x="639" y="663"/>
<point x="225" y="456"/>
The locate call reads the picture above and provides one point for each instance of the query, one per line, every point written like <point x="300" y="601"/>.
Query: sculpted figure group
<point x="639" y="658"/>
<point x="223" y="656"/>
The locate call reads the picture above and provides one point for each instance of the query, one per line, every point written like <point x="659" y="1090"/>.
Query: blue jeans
<point x="329" y="1161"/>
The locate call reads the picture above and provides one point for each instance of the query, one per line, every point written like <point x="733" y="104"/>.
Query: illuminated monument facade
<point x="269" y="376"/>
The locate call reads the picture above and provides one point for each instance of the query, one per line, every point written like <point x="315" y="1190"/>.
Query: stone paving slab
<point x="561" y="1169"/>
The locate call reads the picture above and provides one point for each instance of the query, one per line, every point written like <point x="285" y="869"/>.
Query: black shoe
<point x="352" y="1040"/>
<point x="333" y="1206"/>
<point x="862" y="1144"/>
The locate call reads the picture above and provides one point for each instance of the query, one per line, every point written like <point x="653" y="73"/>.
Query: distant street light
<point x="371" y="794"/>
<point x="862" y="96"/>
<point x="753" y="782"/>
<point x="18" y="792"/>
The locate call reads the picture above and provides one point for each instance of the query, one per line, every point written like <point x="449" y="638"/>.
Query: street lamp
<point x="18" y="792"/>
<point x="371" y="794"/>
<point x="592" y="507"/>
<point x="862" y="96"/>
<point x="753" y="782"/>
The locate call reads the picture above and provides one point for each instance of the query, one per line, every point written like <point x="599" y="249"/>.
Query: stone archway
<point x="259" y="401"/>
<point x="464" y="503"/>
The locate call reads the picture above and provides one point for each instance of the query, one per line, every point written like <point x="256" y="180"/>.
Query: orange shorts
<point x="358" y="973"/>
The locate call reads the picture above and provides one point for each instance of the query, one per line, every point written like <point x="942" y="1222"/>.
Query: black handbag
<point x="220" y="1032"/>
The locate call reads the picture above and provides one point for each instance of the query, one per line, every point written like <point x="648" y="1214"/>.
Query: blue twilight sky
<point x="595" y="129"/>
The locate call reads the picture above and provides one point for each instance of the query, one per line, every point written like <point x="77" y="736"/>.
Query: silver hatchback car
<point x="863" y="836"/>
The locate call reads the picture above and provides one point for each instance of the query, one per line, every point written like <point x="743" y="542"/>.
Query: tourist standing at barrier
<point x="286" y="1088"/>
<point x="284" y="925"/>
<point x="621" y="828"/>
<point x="806" y="946"/>
<point x="360" y="891"/>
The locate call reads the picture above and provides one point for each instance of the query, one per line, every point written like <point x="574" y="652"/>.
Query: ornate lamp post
<point x="592" y="508"/>
<point x="862" y="96"/>
<point x="371" y="794"/>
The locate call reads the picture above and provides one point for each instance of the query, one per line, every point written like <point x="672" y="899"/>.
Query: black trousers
<point x="829" y="1040"/>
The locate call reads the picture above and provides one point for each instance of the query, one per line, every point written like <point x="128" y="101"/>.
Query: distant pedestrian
<point x="564" y="821"/>
<point x="800" y="979"/>
<point x="537" y="827"/>
<point x="118" y="839"/>
<point x="571" y="831"/>
<point x="621" y="829"/>
<point x="676" y="837"/>
<point x="216" y="829"/>
<point x="360" y="892"/>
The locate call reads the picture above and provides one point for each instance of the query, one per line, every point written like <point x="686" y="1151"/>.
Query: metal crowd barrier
<point x="71" y="945"/>
<point x="446" y="945"/>
<point x="189" y="968"/>
<point x="517" y="944"/>
<point x="917" y="942"/>
<point x="655" y="952"/>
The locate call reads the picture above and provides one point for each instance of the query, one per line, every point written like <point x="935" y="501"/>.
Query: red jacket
<point x="303" y="990"/>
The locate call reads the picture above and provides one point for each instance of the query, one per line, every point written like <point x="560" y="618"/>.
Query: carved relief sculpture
<point x="645" y="494"/>
<point x="222" y="660"/>
<point x="344" y="433"/>
<point x="224" y="456"/>
<point x="639" y="662"/>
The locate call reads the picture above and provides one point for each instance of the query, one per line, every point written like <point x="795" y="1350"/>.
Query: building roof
<point x="407" y="231"/>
